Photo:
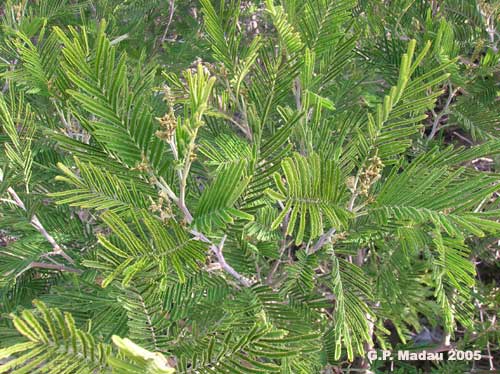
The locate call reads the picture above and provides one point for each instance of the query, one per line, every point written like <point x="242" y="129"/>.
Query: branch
<point x="323" y="239"/>
<point x="170" y="17"/>
<point x="481" y="317"/>
<point x="244" y="129"/>
<point x="181" y="203"/>
<point x="490" y="27"/>
<point x="217" y="250"/>
<point x="297" y="90"/>
<point x="283" y="247"/>
<point x="119" y="39"/>
<point x="242" y="110"/>
<point x="185" y="172"/>
<point x="8" y="201"/>
<point x="368" y="345"/>
<point x="352" y="200"/>
<point x="444" y="111"/>
<point x="182" y="174"/>
<point x="35" y="222"/>
<point x="6" y="85"/>
<point x="162" y="185"/>
<point x="42" y="265"/>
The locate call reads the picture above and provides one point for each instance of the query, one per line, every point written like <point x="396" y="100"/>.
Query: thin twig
<point x="490" y="27"/>
<point x="217" y="250"/>
<point x="170" y="17"/>
<point x="8" y="201"/>
<point x="242" y="110"/>
<point x="323" y="239"/>
<point x="444" y="111"/>
<point x="6" y="85"/>
<point x="488" y="348"/>
<point x="244" y="129"/>
<point x="352" y="200"/>
<point x="183" y="182"/>
<point x="35" y="222"/>
<point x="463" y="138"/>
<point x="284" y="245"/>
<point x="43" y="265"/>
<point x="162" y="185"/>
<point x="481" y="317"/>
<point x="297" y="90"/>
<point x="119" y="39"/>
<point x="368" y="345"/>
<point x="181" y="203"/>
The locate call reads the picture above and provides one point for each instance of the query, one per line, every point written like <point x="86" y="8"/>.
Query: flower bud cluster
<point x="168" y="124"/>
<point x="370" y="175"/>
<point x="162" y="207"/>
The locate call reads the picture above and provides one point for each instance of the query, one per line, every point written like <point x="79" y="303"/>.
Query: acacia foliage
<point x="287" y="202"/>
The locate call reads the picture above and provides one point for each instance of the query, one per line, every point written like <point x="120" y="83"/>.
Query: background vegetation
<point x="248" y="186"/>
